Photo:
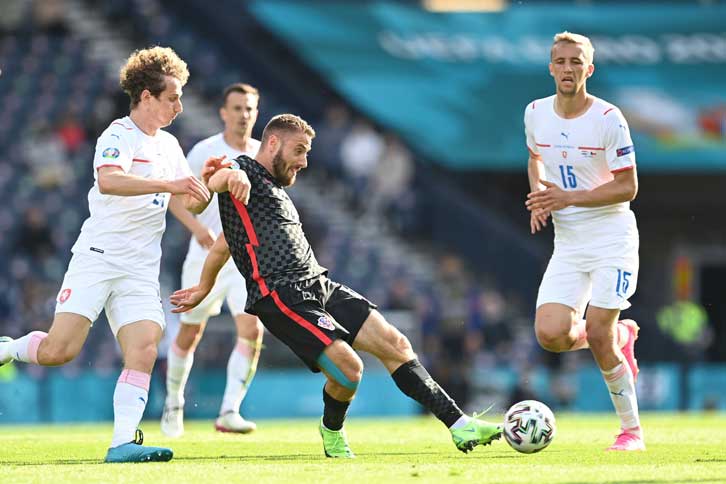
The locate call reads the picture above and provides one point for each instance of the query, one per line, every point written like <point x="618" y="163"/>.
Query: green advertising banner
<point x="455" y="84"/>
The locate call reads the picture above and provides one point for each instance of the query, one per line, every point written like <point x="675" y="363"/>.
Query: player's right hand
<point x="192" y="186"/>
<point x="239" y="186"/>
<point x="187" y="299"/>
<point x="538" y="220"/>
<point x="205" y="237"/>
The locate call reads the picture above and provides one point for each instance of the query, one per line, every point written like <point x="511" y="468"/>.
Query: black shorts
<point x="308" y="316"/>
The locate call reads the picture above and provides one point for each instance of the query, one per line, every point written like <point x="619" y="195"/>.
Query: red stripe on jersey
<point x="533" y="104"/>
<point x="104" y="166"/>
<point x="543" y="146"/>
<point x="256" y="271"/>
<point x="607" y="111"/>
<point x="622" y="169"/>
<point x="245" y="216"/>
<point x="299" y="319"/>
<point x="590" y="148"/>
<point x="116" y="122"/>
<point x="139" y="160"/>
<point x="250" y="230"/>
<point x="533" y="154"/>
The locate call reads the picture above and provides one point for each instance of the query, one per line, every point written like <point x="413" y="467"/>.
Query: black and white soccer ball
<point x="529" y="426"/>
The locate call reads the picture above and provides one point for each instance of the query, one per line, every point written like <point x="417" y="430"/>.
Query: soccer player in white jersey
<point x="582" y="172"/>
<point x="239" y="113"/>
<point x="115" y="263"/>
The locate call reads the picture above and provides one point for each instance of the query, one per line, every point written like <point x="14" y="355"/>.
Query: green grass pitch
<point x="682" y="448"/>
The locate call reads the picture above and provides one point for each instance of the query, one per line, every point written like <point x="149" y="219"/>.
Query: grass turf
<point x="682" y="448"/>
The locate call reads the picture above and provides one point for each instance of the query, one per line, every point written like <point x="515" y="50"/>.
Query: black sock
<point x="334" y="412"/>
<point x="413" y="380"/>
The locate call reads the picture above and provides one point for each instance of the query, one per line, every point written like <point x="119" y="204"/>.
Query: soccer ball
<point x="529" y="426"/>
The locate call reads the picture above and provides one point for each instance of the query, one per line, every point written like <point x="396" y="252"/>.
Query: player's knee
<point x="142" y="355"/>
<point x="552" y="339"/>
<point x="345" y="372"/>
<point x="353" y="370"/>
<point x="257" y="330"/>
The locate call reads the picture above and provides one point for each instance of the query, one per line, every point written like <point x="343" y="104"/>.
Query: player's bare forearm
<point x="217" y="257"/>
<point x="535" y="169"/>
<point x="195" y="206"/>
<point x="623" y="188"/>
<point x="233" y="181"/>
<point x="538" y="218"/>
<point x="113" y="181"/>
<point x="178" y="208"/>
<point x="218" y="182"/>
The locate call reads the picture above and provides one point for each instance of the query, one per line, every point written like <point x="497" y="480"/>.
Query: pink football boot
<point x="628" y="440"/>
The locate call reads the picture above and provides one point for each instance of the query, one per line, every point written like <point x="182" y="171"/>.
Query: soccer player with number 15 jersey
<point x="582" y="172"/>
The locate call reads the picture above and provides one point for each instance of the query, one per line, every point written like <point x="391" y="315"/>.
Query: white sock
<point x="462" y="421"/>
<point x="240" y="372"/>
<point x="129" y="402"/>
<point x="23" y="349"/>
<point x="178" y="366"/>
<point x="620" y="383"/>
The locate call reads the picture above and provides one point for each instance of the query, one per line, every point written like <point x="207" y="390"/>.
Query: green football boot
<point x="476" y="432"/>
<point x="335" y="443"/>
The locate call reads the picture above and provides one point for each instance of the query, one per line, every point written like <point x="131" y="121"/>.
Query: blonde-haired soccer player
<point x="239" y="113"/>
<point x="115" y="263"/>
<point x="582" y="172"/>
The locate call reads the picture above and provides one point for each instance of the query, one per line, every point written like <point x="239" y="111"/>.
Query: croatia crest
<point x="326" y="323"/>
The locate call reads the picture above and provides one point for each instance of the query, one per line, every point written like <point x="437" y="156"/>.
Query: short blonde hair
<point x="570" y="38"/>
<point x="287" y="123"/>
<point x="145" y="69"/>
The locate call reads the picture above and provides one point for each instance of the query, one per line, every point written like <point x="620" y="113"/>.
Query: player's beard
<point x="281" y="170"/>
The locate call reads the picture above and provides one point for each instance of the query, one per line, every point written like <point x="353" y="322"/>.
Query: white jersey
<point x="580" y="154"/>
<point x="124" y="230"/>
<point x="213" y="146"/>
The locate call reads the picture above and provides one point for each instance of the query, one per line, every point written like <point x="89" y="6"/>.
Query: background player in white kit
<point x="584" y="145"/>
<point x="239" y="113"/>
<point x="115" y="263"/>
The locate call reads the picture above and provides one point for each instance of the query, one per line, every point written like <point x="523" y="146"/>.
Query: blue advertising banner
<point x="455" y="84"/>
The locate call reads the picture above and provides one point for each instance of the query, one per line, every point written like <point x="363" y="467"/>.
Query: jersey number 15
<point x="569" y="180"/>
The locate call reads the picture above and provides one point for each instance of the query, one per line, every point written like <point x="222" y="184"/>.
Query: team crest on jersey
<point x="111" y="153"/>
<point x="326" y="323"/>
<point x="64" y="295"/>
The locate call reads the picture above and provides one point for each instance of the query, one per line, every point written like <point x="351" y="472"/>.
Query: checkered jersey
<point x="265" y="237"/>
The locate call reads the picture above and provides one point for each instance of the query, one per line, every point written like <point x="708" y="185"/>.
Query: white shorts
<point x="92" y="284"/>
<point x="230" y="285"/>
<point x="600" y="268"/>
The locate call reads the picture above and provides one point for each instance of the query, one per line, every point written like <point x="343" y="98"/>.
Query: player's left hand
<point x="212" y="166"/>
<point x="550" y="199"/>
<point x="187" y="299"/>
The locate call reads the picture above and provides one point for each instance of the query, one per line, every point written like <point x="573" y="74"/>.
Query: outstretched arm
<point x="189" y="298"/>
<point x="112" y="180"/>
